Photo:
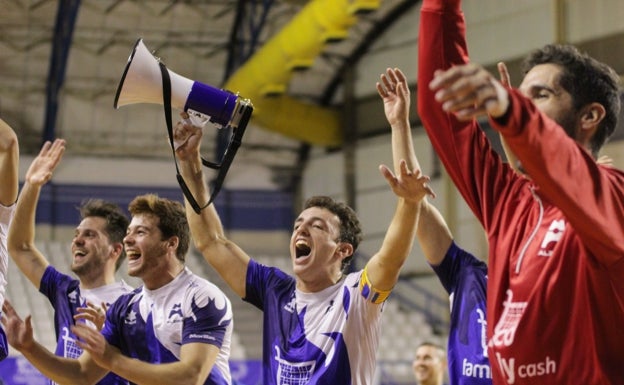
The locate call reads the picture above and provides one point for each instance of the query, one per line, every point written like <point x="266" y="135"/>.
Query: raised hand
<point x="93" y="341"/>
<point x="94" y="314"/>
<point x="469" y="91"/>
<point x="605" y="160"/>
<point x="42" y="167"/>
<point x="395" y="94"/>
<point x="186" y="138"/>
<point x="19" y="332"/>
<point x="409" y="185"/>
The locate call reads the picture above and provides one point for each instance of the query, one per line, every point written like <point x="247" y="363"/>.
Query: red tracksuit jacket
<point x="555" y="308"/>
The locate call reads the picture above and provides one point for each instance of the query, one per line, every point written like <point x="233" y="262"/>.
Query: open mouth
<point x="302" y="249"/>
<point x="79" y="254"/>
<point x="133" y="255"/>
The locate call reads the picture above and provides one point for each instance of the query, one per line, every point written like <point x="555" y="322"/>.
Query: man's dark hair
<point x="350" y="229"/>
<point x="587" y="80"/>
<point x="172" y="219"/>
<point x="116" y="221"/>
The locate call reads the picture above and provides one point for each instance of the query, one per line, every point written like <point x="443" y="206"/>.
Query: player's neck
<point x="314" y="286"/>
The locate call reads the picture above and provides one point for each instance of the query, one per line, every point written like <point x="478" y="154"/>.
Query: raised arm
<point x="408" y="184"/>
<point x="9" y="162"/>
<point x="223" y="255"/>
<point x="21" y="239"/>
<point x="432" y="232"/>
<point x="477" y="171"/>
<point x="59" y="369"/>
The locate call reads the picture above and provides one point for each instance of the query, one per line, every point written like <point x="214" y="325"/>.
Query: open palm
<point x="42" y="167"/>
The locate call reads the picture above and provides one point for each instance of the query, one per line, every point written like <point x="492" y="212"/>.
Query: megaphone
<point x="141" y="82"/>
<point x="146" y="80"/>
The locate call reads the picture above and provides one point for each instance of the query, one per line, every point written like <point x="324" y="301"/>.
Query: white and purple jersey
<point x="152" y="325"/>
<point x="6" y="214"/>
<point x="65" y="295"/>
<point x="328" y="337"/>
<point x="465" y="279"/>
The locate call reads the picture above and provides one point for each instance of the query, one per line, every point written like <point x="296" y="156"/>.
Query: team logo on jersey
<point x="553" y="235"/>
<point x="131" y="318"/>
<point x="70" y="348"/>
<point x="175" y="314"/>
<point x="292" y="305"/>
<point x="505" y="329"/>
<point x="73" y="296"/>
<point x="289" y="372"/>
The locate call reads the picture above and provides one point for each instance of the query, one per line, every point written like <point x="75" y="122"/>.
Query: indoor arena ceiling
<point x="61" y="62"/>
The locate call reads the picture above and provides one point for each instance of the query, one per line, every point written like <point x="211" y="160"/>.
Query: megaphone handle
<point x="166" y="81"/>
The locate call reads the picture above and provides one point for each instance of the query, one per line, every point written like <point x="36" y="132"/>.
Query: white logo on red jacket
<point x="505" y="329"/>
<point x="553" y="235"/>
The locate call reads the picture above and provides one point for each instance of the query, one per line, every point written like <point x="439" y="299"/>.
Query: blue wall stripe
<point x="260" y="210"/>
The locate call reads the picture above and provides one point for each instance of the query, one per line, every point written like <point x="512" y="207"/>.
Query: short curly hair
<point x="350" y="228"/>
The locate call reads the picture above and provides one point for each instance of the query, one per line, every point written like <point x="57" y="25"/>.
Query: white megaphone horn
<point x="142" y="82"/>
<point x="146" y="80"/>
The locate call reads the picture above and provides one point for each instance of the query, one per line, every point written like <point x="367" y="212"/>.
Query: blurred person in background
<point x="429" y="364"/>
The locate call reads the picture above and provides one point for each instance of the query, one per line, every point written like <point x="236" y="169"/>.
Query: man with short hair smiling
<point x="97" y="252"/>
<point x="429" y="364"/>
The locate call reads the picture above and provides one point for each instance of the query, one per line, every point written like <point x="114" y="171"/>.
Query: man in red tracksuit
<point x="555" y="306"/>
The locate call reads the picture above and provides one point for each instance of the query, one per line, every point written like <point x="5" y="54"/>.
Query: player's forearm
<point x="205" y="225"/>
<point x="58" y="369"/>
<point x="385" y="265"/>
<point x="143" y="373"/>
<point x="403" y="146"/>
<point x="433" y="234"/>
<point x="402" y="229"/>
<point x="9" y="164"/>
<point x="22" y="230"/>
<point x="21" y="237"/>
<point x="208" y="234"/>
<point x="8" y="139"/>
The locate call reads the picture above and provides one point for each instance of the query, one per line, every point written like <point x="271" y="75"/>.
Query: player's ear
<point x="345" y="249"/>
<point x="173" y="242"/>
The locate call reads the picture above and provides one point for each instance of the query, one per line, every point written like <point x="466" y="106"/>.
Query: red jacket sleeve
<point x="477" y="170"/>
<point x="590" y="196"/>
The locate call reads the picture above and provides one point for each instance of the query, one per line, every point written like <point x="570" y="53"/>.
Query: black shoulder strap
<point x="223" y="167"/>
<point x="166" y="82"/>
